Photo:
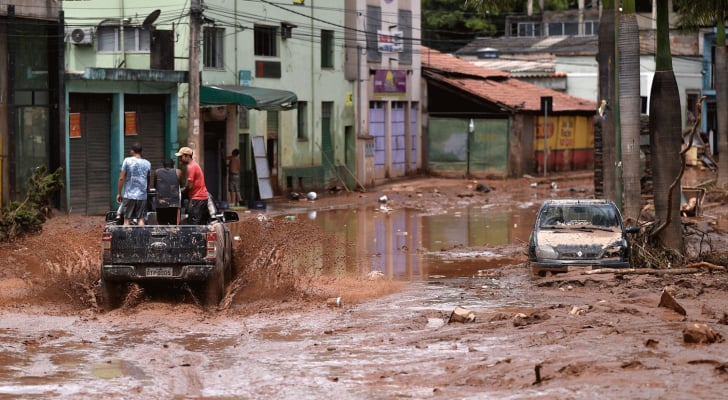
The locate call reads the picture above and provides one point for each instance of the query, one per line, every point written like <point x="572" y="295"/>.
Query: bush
<point x="19" y="218"/>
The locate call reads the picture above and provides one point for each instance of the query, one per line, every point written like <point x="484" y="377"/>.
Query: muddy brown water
<point x="168" y="347"/>
<point x="407" y="244"/>
<point x="279" y="338"/>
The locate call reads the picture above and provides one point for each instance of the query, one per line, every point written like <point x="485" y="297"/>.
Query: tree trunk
<point x="665" y="138"/>
<point x="665" y="143"/>
<point x="605" y="176"/>
<point x="629" y="113"/>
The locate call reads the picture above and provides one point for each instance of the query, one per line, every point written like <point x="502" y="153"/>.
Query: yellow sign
<point x="349" y="100"/>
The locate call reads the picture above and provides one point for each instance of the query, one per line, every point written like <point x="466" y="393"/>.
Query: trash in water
<point x="334" y="302"/>
<point x="461" y="314"/>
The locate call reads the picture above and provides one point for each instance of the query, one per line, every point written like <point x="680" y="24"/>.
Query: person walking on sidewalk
<point x="197" y="211"/>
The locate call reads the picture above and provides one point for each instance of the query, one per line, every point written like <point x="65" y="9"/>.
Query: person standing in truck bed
<point x="166" y="181"/>
<point x="133" y="185"/>
<point x="197" y="211"/>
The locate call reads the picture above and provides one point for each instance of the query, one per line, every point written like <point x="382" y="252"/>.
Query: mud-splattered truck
<point x="166" y="256"/>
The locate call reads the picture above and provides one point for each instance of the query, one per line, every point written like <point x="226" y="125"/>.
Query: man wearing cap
<point x="133" y="185"/>
<point x="197" y="212"/>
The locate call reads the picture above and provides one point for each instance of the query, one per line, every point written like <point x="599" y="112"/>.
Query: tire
<point x="214" y="288"/>
<point x="112" y="294"/>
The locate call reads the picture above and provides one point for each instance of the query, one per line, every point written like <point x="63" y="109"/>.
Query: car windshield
<point x="601" y="215"/>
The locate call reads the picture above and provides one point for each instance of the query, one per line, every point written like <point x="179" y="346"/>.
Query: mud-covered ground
<point x="569" y="336"/>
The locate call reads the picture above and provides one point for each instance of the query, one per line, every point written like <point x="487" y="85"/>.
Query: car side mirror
<point x="230" y="216"/>
<point x="632" y="229"/>
<point x="111" y="216"/>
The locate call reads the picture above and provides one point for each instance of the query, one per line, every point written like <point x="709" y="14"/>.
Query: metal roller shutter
<point x="150" y="126"/>
<point x="90" y="170"/>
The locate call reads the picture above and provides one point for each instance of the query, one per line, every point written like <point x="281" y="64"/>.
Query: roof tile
<point x="495" y="86"/>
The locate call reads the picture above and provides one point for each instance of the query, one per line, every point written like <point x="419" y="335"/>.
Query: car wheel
<point x="112" y="294"/>
<point x="537" y="272"/>
<point x="215" y="288"/>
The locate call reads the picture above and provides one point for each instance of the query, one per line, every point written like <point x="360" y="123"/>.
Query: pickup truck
<point x="166" y="255"/>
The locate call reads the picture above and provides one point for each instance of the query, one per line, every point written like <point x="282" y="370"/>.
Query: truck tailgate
<point x="152" y="244"/>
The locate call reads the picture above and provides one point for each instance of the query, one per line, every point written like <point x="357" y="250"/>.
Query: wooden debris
<point x="707" y="265"/>
<point x="461" y="314"/>
<point x="522" y="319"/>
<point x="667" y="301"/>
<point x="686" y="269"/>
<point x="701" y="334"/>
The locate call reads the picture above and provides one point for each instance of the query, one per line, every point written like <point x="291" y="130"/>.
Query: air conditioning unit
<point x="81" y="36"/>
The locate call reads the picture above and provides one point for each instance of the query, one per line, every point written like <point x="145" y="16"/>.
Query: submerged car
<point x="578" y="233"/>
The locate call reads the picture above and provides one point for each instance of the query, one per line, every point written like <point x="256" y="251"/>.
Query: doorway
<point x="214" y="169"/>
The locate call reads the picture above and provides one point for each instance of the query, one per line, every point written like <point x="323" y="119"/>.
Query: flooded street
<point x="401" y="268"/>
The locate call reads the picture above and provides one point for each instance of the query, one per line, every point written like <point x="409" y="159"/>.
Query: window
<point x="374" y="23"/>
<point x="327" y="49"/>
<point x="529" y="29"/>
<point x="265" y="41"/>
<point x="212" y="46"/>
<point x="643" y="6"/>
<point x="563" y="29"/>
<point x="591" y="28"/>
<point x="136" y="39"/>
<point x="302" y="120"/>
<point x="405" y="25"/>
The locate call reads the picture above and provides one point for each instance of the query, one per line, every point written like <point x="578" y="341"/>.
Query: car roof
<point x="569" y="202"/>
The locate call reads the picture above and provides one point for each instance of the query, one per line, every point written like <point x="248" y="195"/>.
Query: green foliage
<point x="20" y="218"/>
<point x="448" y="25"/>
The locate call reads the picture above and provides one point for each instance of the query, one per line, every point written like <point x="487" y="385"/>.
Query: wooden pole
<point x="193" y="89"/>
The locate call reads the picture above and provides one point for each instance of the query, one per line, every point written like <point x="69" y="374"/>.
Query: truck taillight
<point x="106" y="245"/>
<point x="211" y="246"/>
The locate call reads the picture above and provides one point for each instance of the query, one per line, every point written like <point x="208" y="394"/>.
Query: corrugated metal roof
<point x="561" y="45"/>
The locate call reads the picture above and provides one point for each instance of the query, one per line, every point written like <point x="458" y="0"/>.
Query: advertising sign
<point x="390" y="82"/>
<point x="390" y="42"/>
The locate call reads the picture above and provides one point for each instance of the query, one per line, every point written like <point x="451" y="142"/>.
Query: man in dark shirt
<point x="166" y="181"/>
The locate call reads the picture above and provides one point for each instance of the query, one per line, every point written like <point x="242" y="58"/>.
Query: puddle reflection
<point x="403" y="244"/>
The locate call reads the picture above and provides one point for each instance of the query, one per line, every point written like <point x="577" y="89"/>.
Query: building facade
<point x="31" y="98"/>
<point x="382" y="59"/>
<point x="315" y="94"/>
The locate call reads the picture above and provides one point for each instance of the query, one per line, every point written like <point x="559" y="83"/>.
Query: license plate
<point x="161" y="271"/>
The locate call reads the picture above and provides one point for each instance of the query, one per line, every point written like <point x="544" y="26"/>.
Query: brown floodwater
<point x="407" y="244"/>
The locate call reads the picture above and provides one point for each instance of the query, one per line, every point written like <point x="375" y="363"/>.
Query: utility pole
<point x="193" y="90"/>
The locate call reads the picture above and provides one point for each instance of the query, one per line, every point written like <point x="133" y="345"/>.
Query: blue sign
<point x="245" y="77"/>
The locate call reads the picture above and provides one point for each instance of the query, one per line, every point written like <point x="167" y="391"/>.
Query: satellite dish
<point x="151" y="18"/>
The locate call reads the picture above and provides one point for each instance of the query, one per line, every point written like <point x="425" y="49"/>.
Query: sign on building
<point x="390" y="42"/>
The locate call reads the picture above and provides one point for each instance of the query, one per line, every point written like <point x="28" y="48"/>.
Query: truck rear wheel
<point x="214" y="288"/>
<point x="112" y="294"/>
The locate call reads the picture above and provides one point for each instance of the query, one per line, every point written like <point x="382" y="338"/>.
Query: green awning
<point x="248" y="96"/>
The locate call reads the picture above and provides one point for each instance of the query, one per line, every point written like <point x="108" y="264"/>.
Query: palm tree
<point x="694" y="14"/>
<point x="665" y="139"/>
<point x="628" y="56"/>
